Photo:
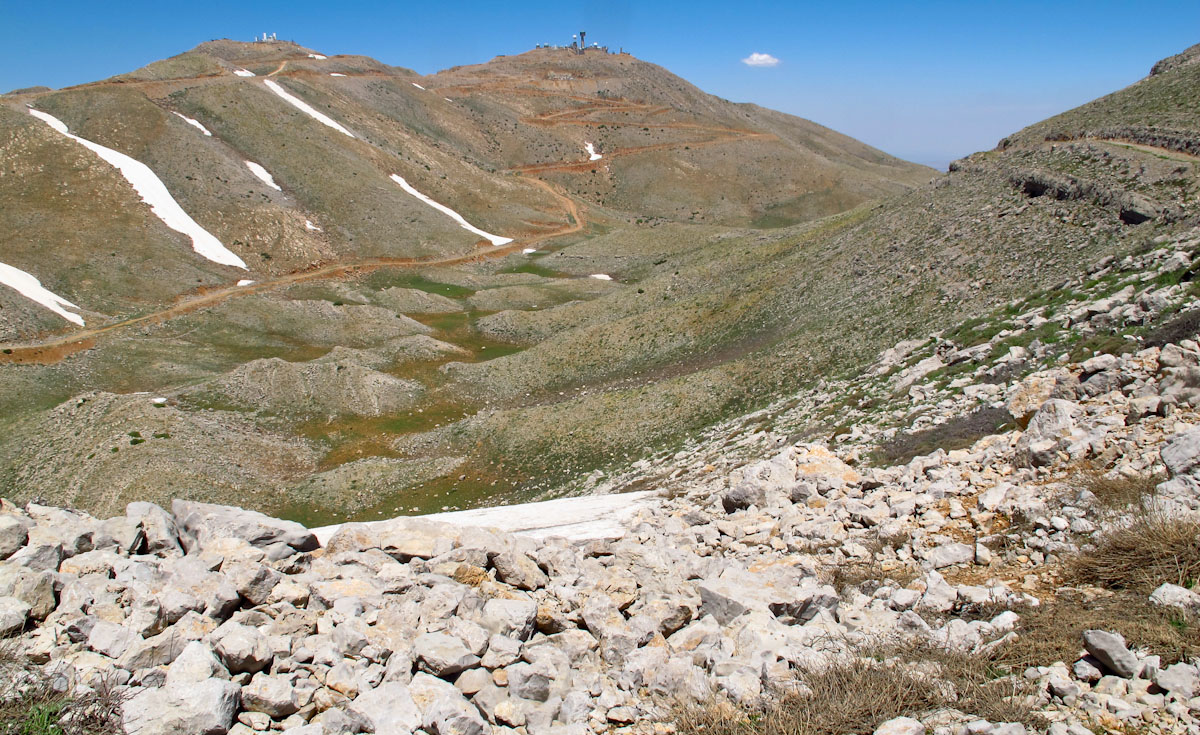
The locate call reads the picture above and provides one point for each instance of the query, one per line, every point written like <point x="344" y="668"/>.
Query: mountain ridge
<point x="605" y="333"/>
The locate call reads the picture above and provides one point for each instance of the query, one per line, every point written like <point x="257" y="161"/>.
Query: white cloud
<point x="757" y="59"/>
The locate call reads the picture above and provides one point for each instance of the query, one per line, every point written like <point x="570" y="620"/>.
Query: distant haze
<point x="929" y="82"/>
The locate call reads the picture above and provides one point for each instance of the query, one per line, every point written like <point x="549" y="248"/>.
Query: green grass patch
<point x="535" y="269"/>
<point x="977" y="330"/>
<point x="385" y="278"/>
<point x="1113" y="344"/>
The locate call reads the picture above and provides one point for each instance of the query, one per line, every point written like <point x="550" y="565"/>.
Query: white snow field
<point x="577" y="519"/>
<point x="335" y="74"/>
<point x="245" y="282"/>
<point x="302" y="106"/>
<point x="31" y="288"/>
<point x="494" y="239"/>
<point x="193" y="123"/>
<point x="601" y="277"/>
<point x="153" y="192"/>
<point x="318" y="57"/>
<point x="592" y="154"/>
<point x="243" y="72"/>
<point x="263" y="175"/>
<point x="418" y="86"/>
<point x="527" y="251"/>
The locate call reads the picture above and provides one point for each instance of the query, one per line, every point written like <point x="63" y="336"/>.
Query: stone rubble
<point x="214" y="619"/>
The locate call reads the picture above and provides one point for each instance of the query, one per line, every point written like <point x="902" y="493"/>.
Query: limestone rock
<point x="1181" y="454"/>
<point x="389" y="709"/>
<point x="901" y="726"/>
<point x="242" y="648"/>
<point x="519" y="570"/>
<point x="1110" y="650"/>
<point x="199" y="708"/>
<point x="14" y="532"/>
<point x="443" y="655"/>
<point x="200" y="523"/>
<point x="1049" y="428"/>
<point x="13" y="614"/>
<point x="1172" y="595"/>
<point x="272" y="695"/>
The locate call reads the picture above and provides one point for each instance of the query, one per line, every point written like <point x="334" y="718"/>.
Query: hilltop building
<point x="578" y="45"/>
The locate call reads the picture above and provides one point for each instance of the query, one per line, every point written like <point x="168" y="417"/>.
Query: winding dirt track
<point x="55" y="348"/>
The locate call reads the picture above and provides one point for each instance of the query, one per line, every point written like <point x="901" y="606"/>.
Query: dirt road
<point x="52" y="349"/>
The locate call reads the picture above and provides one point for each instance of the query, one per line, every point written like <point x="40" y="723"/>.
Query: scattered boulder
<point x="1109" y="649"/>
<point x="202" y="523"/>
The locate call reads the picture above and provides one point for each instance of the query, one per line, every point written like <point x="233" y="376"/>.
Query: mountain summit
<point x="289" y="160"/>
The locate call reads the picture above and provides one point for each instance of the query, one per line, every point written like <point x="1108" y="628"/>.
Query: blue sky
<point x="929" y="81"/>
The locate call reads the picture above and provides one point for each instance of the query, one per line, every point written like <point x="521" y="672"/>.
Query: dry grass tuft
<point x="1053" y="631"/>
<point x="33" y="702"/>
<point x="867" y="575"/>
<point x="1140" y="556"/>
<point x="858" y="693"/>
<point x="1120" y="493"/>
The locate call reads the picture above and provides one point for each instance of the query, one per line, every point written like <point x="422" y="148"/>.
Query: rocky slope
<point x="291" y="164"/>
<point x="374" y="388"/>
<point x="215" y="619"/>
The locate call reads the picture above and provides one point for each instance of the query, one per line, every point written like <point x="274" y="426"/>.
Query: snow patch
<point x="318" y="57"/>
<point x="601" y="276"/>
<point x="308" y="225"/>
<point x="245" y="282"/>
<point x="335" y="74"/>
<point x="243" y="72"/>
<point x="194" y="123"/>
<point x="418" y="86"/>
<point x="577" y="519"/>
<point x="31" y="288"/>
<point x="302" y="106"/>
<point x="592" y="154"/>
<point x="263" y="175"/>
<point x="527" y="251"/>
<point x="153" y="192"/>
<point x="447" y="99"/>
<point x="494" y="239"/>
<point x="160" y="401"/>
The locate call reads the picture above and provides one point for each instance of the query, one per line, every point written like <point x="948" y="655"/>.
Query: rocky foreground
<point x="211" y="619"/>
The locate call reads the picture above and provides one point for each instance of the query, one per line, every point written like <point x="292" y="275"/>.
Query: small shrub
<point x="957" y="433"/>
<point x="867" y="575"/>
<point x="1141" y="555"/>
<point x="856" y="693"/>
<point x="1053" y="631"/>
<point x="34" y="702"/>
<point x="1184" y="326"/>
<point x="1121" y="492"/>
